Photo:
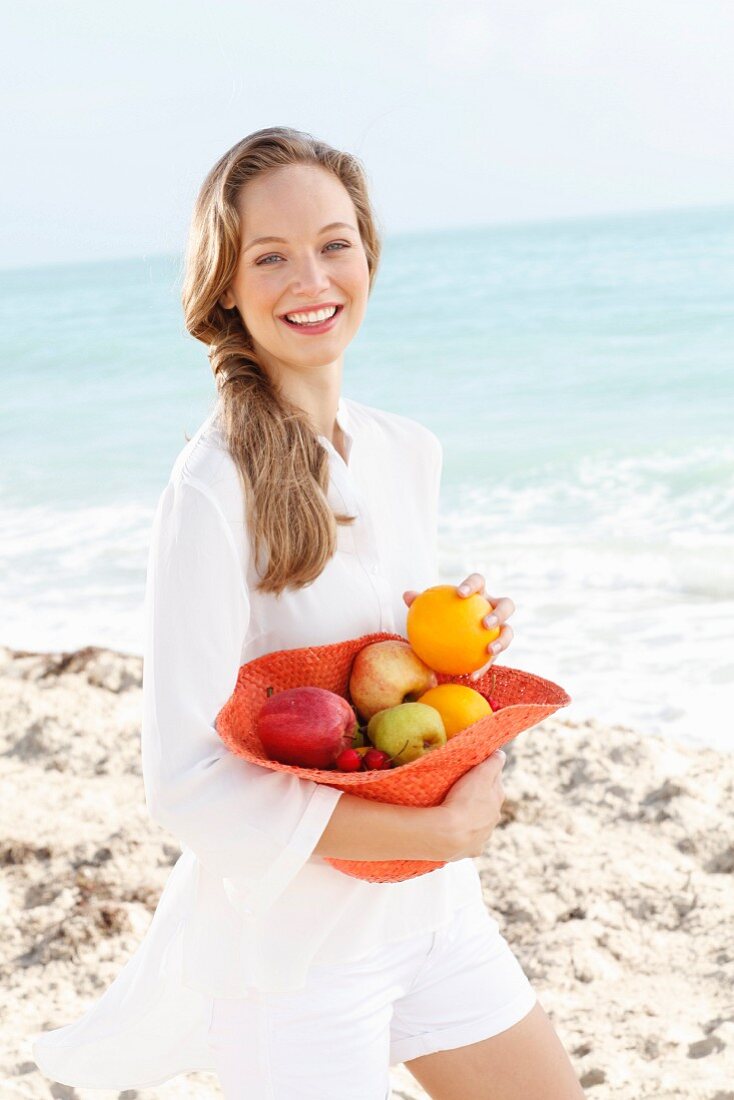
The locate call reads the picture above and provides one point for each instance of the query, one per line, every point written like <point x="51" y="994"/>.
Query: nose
<point x="311" y="278"/>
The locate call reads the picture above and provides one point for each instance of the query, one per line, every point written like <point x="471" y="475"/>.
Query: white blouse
<point x="248" y="904"/>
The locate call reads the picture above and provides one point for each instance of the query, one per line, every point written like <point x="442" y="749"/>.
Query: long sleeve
<point x="253" y="827"/>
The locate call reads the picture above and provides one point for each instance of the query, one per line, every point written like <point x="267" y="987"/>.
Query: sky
<point x="463" y="113"/>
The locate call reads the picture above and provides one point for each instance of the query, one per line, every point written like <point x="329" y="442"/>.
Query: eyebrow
<point x="282" y="240"/>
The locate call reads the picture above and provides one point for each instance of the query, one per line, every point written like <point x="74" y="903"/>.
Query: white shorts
<point x="337" y="1037"/>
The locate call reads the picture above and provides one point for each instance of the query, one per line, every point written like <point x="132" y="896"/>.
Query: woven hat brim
<point x="523" y="698"/>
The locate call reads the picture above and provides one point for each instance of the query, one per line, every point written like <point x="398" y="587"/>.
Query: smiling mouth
<point x="312" y="324"/>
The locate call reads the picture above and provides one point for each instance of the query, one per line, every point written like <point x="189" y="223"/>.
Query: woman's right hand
<point x="472" y="806"/>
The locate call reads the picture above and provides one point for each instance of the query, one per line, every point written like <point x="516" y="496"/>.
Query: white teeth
<point x="311" y="318"/>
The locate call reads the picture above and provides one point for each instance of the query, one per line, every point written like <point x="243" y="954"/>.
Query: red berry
<point x="349" y="760"/>
<point x="376" y="760"/>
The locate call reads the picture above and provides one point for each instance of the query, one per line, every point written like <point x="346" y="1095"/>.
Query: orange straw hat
<point x="524" y="699"/>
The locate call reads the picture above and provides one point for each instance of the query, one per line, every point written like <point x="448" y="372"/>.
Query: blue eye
<point x="274" y="255"/>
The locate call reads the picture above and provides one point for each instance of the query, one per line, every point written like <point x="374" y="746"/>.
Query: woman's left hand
<point x="502" y="608"/>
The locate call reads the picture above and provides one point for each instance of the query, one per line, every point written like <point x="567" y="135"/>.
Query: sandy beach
<point x="611" y="875"/>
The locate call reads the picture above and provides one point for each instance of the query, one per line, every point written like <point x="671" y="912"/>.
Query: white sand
<point x="612" y="877"/>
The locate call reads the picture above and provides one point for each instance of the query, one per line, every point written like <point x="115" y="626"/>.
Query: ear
<point x="226" y="300"/>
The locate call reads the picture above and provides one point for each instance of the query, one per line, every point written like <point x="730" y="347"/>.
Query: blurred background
<point x="555" y="183"/>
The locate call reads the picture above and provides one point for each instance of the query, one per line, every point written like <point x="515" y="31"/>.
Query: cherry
<point x="349" y="760"/>
<point x="376" y="760"/>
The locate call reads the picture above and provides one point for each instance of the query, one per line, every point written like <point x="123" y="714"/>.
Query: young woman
<point x="295" y="516"/>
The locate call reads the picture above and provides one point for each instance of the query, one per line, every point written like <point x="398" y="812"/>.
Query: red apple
<point x="306" y="726"/>
<point x="387" y="673"/>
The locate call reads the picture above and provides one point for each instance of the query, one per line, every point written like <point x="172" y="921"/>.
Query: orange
<point x="459" y="706"/>
<point x="445" y="629"/>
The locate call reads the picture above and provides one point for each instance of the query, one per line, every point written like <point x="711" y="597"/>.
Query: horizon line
<point x="514" y="223"/>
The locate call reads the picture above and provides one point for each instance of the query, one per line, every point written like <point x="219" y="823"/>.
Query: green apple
<point x="407" y="731"/>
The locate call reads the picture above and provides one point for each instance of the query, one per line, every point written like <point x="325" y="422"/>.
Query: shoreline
<point x="610" y="874"/>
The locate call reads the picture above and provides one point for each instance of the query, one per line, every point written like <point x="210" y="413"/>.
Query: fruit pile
<point x="398" y="710"/>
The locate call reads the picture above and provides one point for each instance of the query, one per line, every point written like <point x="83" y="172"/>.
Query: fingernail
<point x="495" y="647"/>
<point x="463" y="589"/>
<point x="491" y="620"/>
<point x="502" y="754"/>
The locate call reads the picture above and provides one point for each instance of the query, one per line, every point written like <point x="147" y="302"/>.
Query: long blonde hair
<point x="283" y="468"/>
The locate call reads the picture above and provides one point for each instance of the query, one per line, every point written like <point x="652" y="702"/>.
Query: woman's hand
<point x="472" y="807"/>
<point x="502" y="608"/>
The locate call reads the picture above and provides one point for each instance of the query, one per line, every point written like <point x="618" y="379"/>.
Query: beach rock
<point x="710" y="1045"/>
<point x="723" y="862"/>
<point x="591" y="1077"/>
<point x="63" y="1092"/>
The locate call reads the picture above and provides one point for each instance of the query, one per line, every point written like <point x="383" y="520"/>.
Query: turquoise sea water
<point x="579" y="373"/>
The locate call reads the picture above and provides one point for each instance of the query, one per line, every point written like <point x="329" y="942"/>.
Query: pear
<point x="359" y="737"/>
<point x="407" y="731"/>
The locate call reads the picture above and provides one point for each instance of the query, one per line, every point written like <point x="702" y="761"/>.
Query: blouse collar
<point x="343" y="419"/>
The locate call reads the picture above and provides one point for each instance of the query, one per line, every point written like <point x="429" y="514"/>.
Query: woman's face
<point x="311" y="266"/>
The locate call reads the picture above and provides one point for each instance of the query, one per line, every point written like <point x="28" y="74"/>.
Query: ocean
<point x="580" y="374"/>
